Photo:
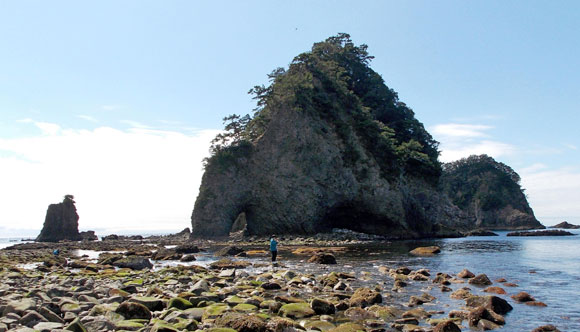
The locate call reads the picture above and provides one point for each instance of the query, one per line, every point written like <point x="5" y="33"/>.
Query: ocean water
<point x="10" y="241"/>
<point x="548" y="268"/>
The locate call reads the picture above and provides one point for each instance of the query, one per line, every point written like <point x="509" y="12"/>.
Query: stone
<point x="48" y="326"/>
<point x="465" y="273"/>
<point x="322" y="307"/>
<point x="229" y="251"/>
<point x="296" y="310"/>
<point x="100" y="324"/>
<point x="425" y="251"/>
<point x="61" y="222"/>
<point x="228" y="273"/>
<point x="226" y="263"/>
<point x="271" y="285"/>
<point x="88" y="236"/>
<point x="364" y="297"/>
<point x="446" y="326"/>
<point x="134" y="263"/>
<point x="32" y="318"/>
<point x="187" y="248"/>
<point x="546" y="328"/>
<point x="152" y="303"/>
<point x="50" y="315"/>
<point x="19" y="307"/>
<point x="347" y="327"/>
<point x="480" y="280"/>
<point x="492" y="302"/>
<point x="495" y="290"/>
<point x="200" y="287"/>
<point x="480" y="313"/>
<point x="486" y="325"/>
<point x="187" y="258"/>
<point x="523" y="297"/>
<point x="179" y="303"/>
<point x="76" y="326"/>
<point x="132" y="310"/>
<point x="322" y="258"/>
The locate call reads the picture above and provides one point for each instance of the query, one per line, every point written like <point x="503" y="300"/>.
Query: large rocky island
<point x="331" y="146"/>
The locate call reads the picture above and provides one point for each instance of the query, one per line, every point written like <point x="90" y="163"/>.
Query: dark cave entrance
<point x="356" y="217"/>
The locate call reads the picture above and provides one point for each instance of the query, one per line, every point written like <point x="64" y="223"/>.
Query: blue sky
<point x="115" y="101"/>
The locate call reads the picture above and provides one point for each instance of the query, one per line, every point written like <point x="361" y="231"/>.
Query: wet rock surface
<point x="78" y="293"/>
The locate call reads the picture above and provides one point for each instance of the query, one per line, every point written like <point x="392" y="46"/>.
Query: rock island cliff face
<point x="489" y="192"/>
<point x="61" y="222"/>
<point x="329" y="146"/>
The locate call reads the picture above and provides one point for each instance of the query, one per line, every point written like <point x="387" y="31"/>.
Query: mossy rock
<point x="297" y="310"/>
<point x="132" y="310"/>
<point x="152" y="303"/>
<point x="233" y="300"/>
<point x="221" y="329"/>
<point x="348" y="327"/>
<point x="389" y="313"/>
<point x="71" y="307"/>
<point x="130" y="325"/>
<point x="134" y="282"/>
<point x="273" y="306"/>
<point x="76" y="326"/>
<point x="215" y="310"/>
<point x="179" y="303"/>
<point x="319" y="325"/>
<point x="164" y="327"/>
<point x="185" y="324"/>
<point x="245" y="308"/>
<point x="118" y="292"/>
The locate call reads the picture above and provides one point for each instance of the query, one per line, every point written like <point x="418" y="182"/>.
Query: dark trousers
<point x="274" y="254"/>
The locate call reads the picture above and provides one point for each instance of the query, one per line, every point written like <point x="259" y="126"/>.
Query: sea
<point x="546" y="267"/>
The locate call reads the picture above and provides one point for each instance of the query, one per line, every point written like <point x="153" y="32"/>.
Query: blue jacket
<point x="273" y="245"/>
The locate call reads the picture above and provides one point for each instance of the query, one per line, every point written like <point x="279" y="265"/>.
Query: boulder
<point x="187" y="248"/>
<point x="241" y="323"/>
<point x="480" y="280"/>
<point x="446" y="326"/>
<point x="492" y="302"/>
<point x="61" y="222"/>
<point x="364" y="297"/>
<point x="465" y="273"/>
<point x="132" y="310"/>
<point x="523" y="297"/>
<point x="296" y="310"/>
<point x="322" y="307"/>
<point x="134" y="263"/>
<point x="322" y="258"/>
<point x="425" y="251"/>
<point x="546" y="328"/>
<point x="89" y="236"/>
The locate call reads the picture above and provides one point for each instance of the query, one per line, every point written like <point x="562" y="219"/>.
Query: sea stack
<point x="61" y="222"/>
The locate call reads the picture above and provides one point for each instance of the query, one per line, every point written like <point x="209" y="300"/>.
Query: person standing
<point x="273" y="248"/>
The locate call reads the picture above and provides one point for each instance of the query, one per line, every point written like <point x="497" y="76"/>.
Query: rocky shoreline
<point x="122" y="290"/>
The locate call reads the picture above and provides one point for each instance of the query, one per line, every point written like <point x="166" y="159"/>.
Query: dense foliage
<point x="334" y="82"/>
<point x="482" y="180"/>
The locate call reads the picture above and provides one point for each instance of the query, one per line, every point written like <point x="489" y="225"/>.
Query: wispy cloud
<point x="553" y="193"/>
<point x="571" y="146"/>
<point x="462" y="140"/>
<point x="87" y="117"/>
<point x="133" y="179"/>
<point x="48" y="128"/>
<point x="460" y="130"/>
